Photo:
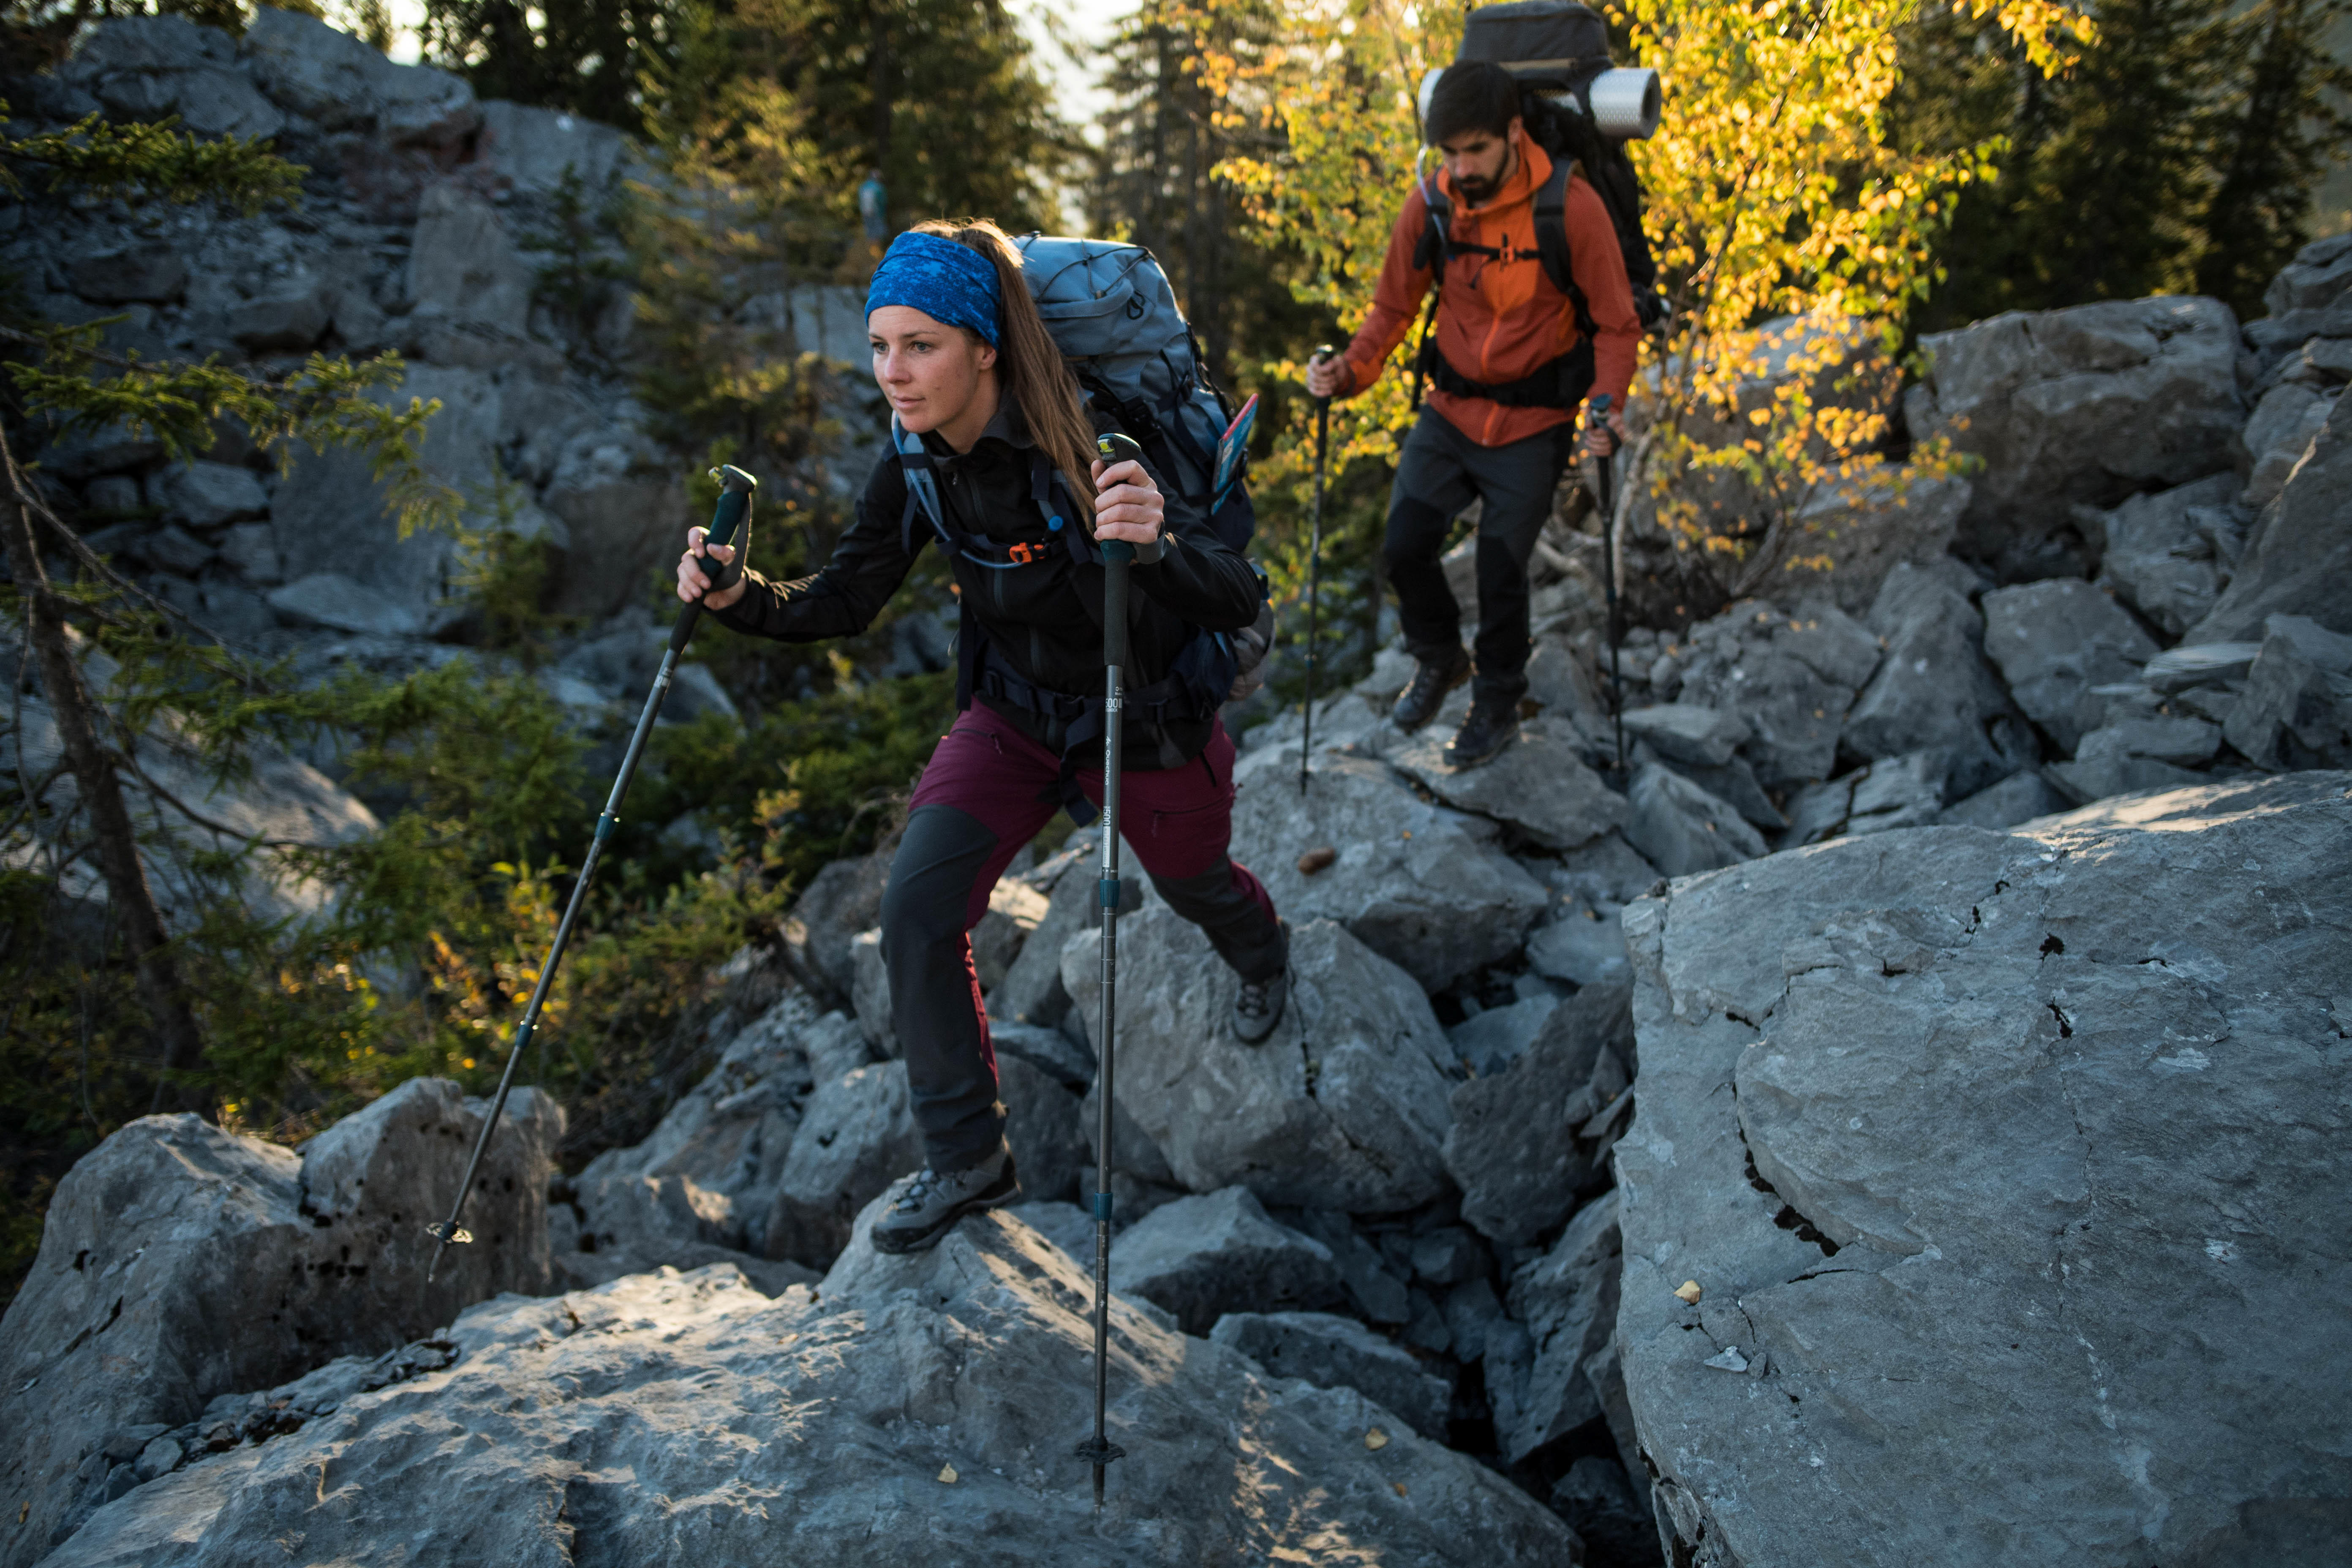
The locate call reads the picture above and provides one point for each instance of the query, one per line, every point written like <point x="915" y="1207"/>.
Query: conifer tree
<point x="2270" y="138"/>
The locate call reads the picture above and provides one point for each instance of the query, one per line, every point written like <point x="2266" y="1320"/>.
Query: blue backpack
<point x="1114" y="318"/>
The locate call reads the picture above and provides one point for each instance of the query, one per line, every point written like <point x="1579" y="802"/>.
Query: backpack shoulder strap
<point x="1551" y="239"/>
<point x="922" y="487"/>
<point x="1437" y="236"/>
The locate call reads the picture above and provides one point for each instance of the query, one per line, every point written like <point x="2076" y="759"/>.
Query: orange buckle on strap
<point x="1022" y="553"/>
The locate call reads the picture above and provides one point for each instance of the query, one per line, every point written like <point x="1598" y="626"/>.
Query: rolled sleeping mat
<point x="1627" y="101"/>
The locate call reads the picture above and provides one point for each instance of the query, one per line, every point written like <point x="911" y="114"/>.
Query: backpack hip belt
<point x="1560" y="382"/>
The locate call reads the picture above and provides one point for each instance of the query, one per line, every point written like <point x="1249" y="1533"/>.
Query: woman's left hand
<point x="1128" y="505"/>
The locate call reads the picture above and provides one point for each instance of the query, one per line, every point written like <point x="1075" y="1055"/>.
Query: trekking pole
<point x="1606" y="462"/>
<point x="729" y="525"/>
<point x="1314" y="562"/>
<point x="1100" y="1450"/>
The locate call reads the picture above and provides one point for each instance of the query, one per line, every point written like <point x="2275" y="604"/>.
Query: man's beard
<point x="1477" y="189"/>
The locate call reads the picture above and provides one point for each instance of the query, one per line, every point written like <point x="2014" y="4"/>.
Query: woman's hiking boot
<point x="1493" y="725"/>
<point x="1418" y="703"/>
<point x="928" y="1203"/>
<point x="1257" y="1008"/>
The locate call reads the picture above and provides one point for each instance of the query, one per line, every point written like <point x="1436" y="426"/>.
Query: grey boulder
<point x="151" y="273"/>
<point x="340" y="82"/>
<point x="1933" y="688"/>
<point x="1046" y="1129"/>
<point x="1789" y="678"/>
<point x="1680" y="829"/>
<point x="1343" y="1107"/>
<point x="179" y="1262"/>
<point x="1583" y="944"/>
<point x="1496" y="1036"/>
<point x="2296" y="710"/>
<point x="2079" y="406"/>
<point x="709" y="1172"/>
<point x="2054" y="641"/>
<point x="869" y="992"/>
<point x="1687" y="732"/>
<point x="1565" y="1304"/>
<point x="2278" y="434"/>
<point x="1917" y="1152"/>
<point x="2137" y="753"/>
<point x="537" y="149"/>
<point x="2299" y="557"/>
<point x="2020" y="797"/>
<point x="1539" y="785"/>
<point x="857" y="1136"/>
<point x="1201" y="1257"/>
<point x="464" y="266"/>
<point x="1521" y="1145"/>
<point x="333" y="601"/>
<point x="1422" y="885"/>
<point x="281" y="322"/>
<point x="840" y="900"/>
<point x="909" y="1409"/>
<point x="2167" y="554"/>
<point x="208" y="495"/>
<point x="1340" y="1353"/>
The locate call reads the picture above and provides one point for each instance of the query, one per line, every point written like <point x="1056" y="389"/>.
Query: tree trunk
<point x="101" y="797"/>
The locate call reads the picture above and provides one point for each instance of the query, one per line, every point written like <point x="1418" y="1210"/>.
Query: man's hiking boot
<point x="1493" y="725"/>
<point x="928" y="1203"/>
<point x="1418" y="703"/>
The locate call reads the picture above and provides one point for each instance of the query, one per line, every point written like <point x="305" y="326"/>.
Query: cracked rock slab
<point x="909" y="1410"/>
<point x="2009" y="1165"/>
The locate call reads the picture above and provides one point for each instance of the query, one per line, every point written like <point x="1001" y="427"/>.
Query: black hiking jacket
<point x="1042" y="621"/>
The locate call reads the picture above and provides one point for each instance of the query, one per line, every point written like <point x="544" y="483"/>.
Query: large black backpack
<point x="1581" y="110"/>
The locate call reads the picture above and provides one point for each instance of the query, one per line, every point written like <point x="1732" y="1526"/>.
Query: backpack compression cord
<point x="1100" y="1450"/>
<point x="730" y="524"/>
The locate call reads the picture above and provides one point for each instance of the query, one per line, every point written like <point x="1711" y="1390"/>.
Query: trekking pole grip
<point x="730" y="524"/>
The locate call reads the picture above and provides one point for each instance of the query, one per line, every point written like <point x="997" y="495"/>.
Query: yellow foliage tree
<point x="1790" y="233"/>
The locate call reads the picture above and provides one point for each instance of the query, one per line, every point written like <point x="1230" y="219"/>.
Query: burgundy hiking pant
<point x="985" y="792"/>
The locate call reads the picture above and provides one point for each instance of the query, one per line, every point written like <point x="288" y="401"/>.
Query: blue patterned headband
<point x="946" y="281"/>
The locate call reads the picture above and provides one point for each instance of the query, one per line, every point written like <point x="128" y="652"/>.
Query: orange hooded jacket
<point x="1498" y="320"/>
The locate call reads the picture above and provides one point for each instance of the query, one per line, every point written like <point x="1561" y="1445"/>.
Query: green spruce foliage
<point x="2177" y="156"/>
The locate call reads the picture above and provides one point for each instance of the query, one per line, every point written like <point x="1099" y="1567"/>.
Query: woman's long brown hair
<point x="1031" y="368"/>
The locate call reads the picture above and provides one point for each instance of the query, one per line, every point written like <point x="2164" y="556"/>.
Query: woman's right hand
<point x="694" y="582"/>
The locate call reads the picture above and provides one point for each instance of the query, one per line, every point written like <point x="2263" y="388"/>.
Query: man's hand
<point x="1128" y="505"/>
<point x="1325" y="377"/>
<point x="694" y="582"/>
<point x="1603" y="435"/>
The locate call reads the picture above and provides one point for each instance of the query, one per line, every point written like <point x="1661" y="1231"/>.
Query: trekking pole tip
<point x="444" y="1236"/>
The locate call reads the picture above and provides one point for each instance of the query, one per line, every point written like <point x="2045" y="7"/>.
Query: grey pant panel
<point x="1439" y="473"/>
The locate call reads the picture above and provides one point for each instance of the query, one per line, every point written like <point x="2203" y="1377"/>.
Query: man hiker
<point x="874" y="212"/>
<point x="1509" y="364"/>
<point x="1001" y="435"/>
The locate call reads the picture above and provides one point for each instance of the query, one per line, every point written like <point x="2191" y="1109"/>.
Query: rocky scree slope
<point x="1409" y="1197"/>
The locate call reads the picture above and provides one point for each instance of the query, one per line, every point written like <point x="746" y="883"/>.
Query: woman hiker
<point x="1000" y="433"/>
